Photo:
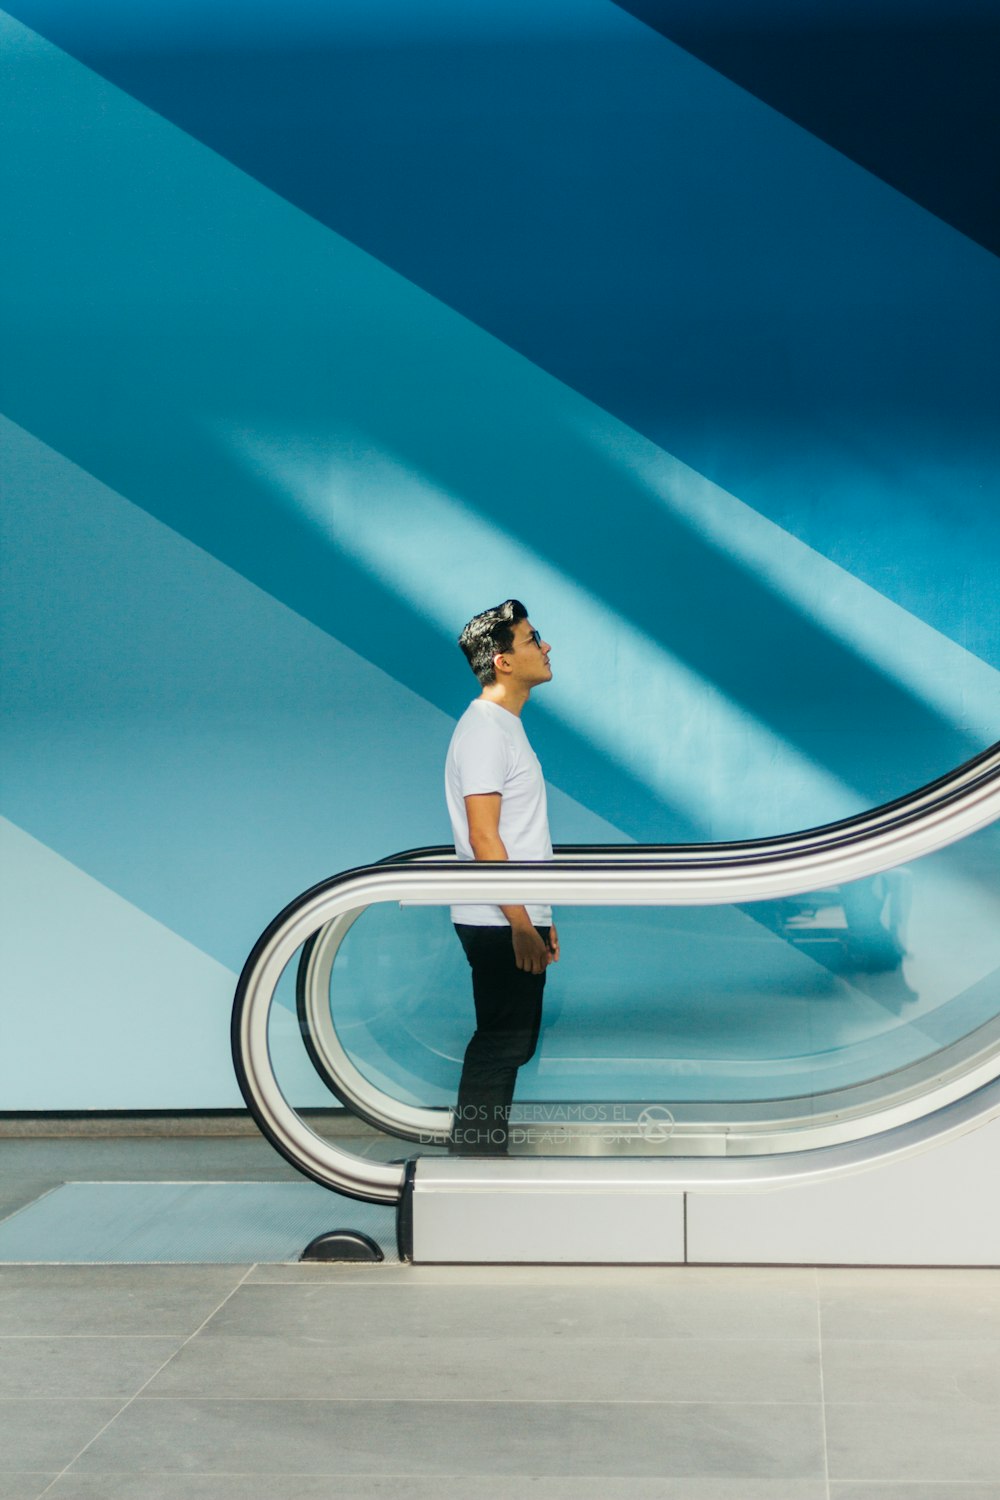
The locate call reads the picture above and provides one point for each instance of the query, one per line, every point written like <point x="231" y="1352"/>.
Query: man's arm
<point x="483" y="813"/>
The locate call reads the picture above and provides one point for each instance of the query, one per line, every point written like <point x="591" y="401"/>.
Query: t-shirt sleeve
<point x="482" y="760"/>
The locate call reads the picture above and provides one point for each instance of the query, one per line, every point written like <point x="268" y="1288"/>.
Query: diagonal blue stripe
<point x="860" y="75"/>
<point x="642" y="228"/>
<point x="165" y="311"/>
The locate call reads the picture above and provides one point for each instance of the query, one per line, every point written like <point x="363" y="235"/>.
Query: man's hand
<point x="553" y="945"/>
<point x="530" y="950"/>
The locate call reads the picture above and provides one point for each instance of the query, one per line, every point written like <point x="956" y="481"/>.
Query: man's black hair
<point x="491" y="634"/>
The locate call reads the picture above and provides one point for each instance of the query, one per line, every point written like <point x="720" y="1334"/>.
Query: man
<point x="496" y="801"/>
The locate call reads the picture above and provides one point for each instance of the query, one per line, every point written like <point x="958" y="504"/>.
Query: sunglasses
<point x="536" y="637"/>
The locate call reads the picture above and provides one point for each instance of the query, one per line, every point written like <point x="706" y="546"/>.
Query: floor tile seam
<point x="353" y="1277"/>
<point x="410" y="1473"/>
<point x="642" y="1271"/>
<point x="584" y="1291"/>
<point x="822" y="1386"/>
<point x="986" y="1279"/>
<point x="514" y="1289"/>
<point x="951" y="1484"/>
<point x="379" y="1398"/>
<point x="752" y="1365"/>
<point x="104" y="1428"/>
<point x="912" y="1338"/>
<point x="924" y="1337"/>
<point x="145" y="1383"/>
<point x="365" y="1276"/>
<point x="369" y="1282"/>
<point x="676" y="1271"/>
<point x="842" y="1305"/>
<point x="535" y="1401"/>
<point x="948" y="1404"/>
<point x="345" y="1342"/>
<point x="48" y="1400"/>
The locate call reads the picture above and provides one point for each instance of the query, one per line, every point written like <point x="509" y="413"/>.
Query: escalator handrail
<point x="411" y="1123"/>
<point x="906" y="830"/>
<point x="979" y="768"/>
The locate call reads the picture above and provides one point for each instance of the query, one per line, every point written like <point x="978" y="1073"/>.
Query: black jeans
<point x="508" y="1016"/>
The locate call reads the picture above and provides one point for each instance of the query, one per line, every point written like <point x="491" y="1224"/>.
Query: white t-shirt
<point x="489" y="752"/>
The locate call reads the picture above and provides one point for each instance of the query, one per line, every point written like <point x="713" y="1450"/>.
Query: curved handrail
<point x="978" y="768"/>
<point x="333" y="1064"/>
<point x="967" y="800"/>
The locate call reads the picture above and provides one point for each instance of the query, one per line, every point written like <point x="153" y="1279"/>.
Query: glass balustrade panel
<point x="682" y="1029"/>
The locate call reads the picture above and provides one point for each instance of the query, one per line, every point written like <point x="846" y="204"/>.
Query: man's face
<point x="529" y="656"/>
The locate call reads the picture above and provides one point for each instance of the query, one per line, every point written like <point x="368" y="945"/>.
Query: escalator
<point x="728" y="1018"/>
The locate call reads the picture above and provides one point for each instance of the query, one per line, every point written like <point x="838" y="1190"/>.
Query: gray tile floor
<point x="287" y="1382"/>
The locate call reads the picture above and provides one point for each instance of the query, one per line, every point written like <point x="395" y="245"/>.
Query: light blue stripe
<point x="189" y="306"/>
<point x="183" y="737"/>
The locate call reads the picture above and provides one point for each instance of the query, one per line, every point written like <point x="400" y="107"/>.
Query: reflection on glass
<point x="661" y="1023"/>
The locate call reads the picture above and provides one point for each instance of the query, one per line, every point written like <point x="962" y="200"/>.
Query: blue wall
<point x="327" y="326"/>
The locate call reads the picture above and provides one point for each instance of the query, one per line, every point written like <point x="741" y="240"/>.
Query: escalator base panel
<point x="470" y="1211"/>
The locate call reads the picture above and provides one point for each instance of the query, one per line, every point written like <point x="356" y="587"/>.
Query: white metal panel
<point x="940" y="1207"/>
<point x="486" y="1212"/>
